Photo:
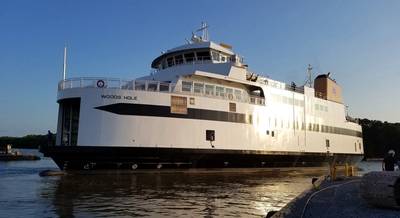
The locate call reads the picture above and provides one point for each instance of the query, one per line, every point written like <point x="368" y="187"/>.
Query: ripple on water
<point x="236" y="194"/>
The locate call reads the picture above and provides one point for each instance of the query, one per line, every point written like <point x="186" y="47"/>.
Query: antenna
<point x="204" y="30"/>
<point x="309" y="74"/>
<point x="65" y="62"/>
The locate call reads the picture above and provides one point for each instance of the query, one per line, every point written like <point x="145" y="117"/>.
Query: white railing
<point x="150" y="86"/>
<point x="110" y="83"/>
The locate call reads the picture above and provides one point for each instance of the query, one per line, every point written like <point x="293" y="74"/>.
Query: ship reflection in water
<point x="111" y="194"/>
<point x="174" y="194"/>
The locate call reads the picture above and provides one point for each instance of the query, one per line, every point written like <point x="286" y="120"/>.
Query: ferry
<point x="201" y="107"/>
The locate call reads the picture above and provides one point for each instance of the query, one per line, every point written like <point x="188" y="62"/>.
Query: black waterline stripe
<point x="195" y="113"/>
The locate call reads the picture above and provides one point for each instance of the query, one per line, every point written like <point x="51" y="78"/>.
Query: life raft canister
<point x="100" y="83"/>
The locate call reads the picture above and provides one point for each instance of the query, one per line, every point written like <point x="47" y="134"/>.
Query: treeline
<point x="28" y="141"/>
<point x="379" y="137"/>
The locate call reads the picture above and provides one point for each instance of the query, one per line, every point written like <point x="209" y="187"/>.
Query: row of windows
<point x="319" y="107"/>
<point x="193" y="56"/>
<point x="315" y="128"/>
<point x="333" y="130"/>
<point x="288" y="100"/>
<point x="297" y="102"/>
<point x="219" y="91"/>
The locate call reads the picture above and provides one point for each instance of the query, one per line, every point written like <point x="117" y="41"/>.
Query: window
<point x="164" y="87"/>
<point x="209" y="90"/>
<point x="170" y="61"/>
<point x="140" y="85"/>
<point x="219" y="91"/>
<point x="179" y="59"/>
<point x="229" y="93"/>
<point x="238" y="94"/>
<point x="152" y="86"/>
<point x="232" y="107"/>
<point x="186" y="86"/>
<point x="215" y="55"/>
<point x="189" y="57"/>
<point x="210" y="135"/>
<point x="191" y="101"/>
<point x="198" y="87"/>
<point x="203" y="55"/>
<point x="272" y="133"/>
<point x="223" y="58"/>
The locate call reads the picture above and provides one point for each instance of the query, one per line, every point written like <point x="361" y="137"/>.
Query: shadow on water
<point x="155" y="194"/>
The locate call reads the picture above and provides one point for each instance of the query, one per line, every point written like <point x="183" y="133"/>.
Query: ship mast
<point x="65" y="63"/>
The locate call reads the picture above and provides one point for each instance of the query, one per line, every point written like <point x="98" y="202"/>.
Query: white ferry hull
<point x="139" y="131"/>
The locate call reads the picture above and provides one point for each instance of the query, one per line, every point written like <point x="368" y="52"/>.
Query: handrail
<point x="150" y="86"/>
<point x="351" y="119"/>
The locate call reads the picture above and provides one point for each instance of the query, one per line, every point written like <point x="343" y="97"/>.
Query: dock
<point x="15" y="157"/>
<point x="8" y="154"/>
<point x="340" y="198"/>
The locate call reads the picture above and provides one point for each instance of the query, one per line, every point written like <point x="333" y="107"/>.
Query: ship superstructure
<point x="202" y="107"/>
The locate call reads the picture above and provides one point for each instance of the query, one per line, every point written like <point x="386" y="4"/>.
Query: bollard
<point x="332" y="172"/>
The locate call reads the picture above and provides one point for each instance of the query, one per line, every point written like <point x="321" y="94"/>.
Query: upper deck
<point x="183" y="88"/>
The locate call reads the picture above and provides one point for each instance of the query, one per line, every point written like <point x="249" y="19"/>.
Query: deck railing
<point x="151" y="86"/>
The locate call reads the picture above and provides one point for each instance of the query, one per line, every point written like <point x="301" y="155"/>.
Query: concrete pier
<point x="341" y="198"/>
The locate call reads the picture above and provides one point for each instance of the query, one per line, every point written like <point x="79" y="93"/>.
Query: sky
<point x="358" y="41"/>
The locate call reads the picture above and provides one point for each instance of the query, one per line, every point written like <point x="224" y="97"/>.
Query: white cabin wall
<point x="238" y="73"/>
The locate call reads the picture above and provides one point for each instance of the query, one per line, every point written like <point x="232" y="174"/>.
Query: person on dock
<point x="389" y="161"/>
<point x="49" y="138"/>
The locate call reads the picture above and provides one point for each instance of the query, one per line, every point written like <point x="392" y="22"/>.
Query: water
<point x="120" y="194"/>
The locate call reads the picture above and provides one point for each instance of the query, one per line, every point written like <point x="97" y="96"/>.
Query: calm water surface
<point x="23" y="193"/>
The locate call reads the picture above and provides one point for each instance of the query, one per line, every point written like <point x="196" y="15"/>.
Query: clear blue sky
<point x="358" y="41"/>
